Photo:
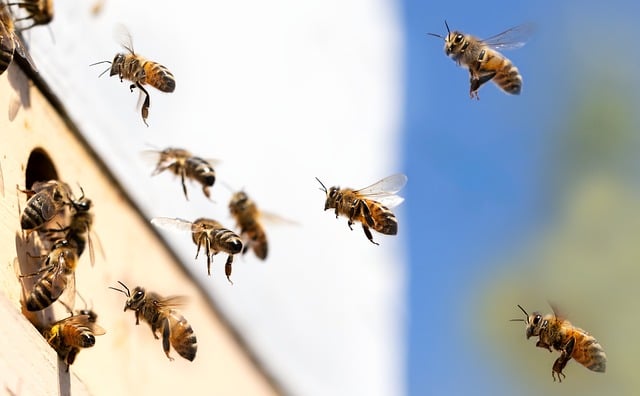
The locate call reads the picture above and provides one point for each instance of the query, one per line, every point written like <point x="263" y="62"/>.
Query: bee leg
<point x="228" y="268"/>
<point x="184" y="186"/>
<point x="367" y="232"/>
<point x="166" y="336"/>
<point x="350" y="224"/>
<point x="476" y="81"/>
<point x="137" y="318"/>
<point x="561" y="362"/>
<point x="366" y="213"/>
<point x="541" y="344"/>
<point x="145" y="105"/>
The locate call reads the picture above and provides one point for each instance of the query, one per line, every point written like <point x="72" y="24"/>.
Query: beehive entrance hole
<point x="39" y="168"/>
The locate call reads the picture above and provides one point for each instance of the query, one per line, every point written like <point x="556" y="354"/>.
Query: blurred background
<point x="511" y="200"/>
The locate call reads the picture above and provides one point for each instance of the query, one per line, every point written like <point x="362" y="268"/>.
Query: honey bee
<point x="162" y="316"/>
<point x="46" y="200"/>
<point x="140" y="71"/>
<point x="10" y="43"/>
<point x="247" y="216"/>
<point x="483" y="60"/>
<point x="370" y="205"/>
<point x="71" y="334"/>
<point x="208" y="233"/>
<point x="187" y="166"/>
<point x="59" y="274"/>
<point x="572" y="342"/>
<point x="40" y="12"/>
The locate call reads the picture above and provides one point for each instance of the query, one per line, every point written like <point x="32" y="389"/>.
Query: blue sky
<point x="477" y="185"/>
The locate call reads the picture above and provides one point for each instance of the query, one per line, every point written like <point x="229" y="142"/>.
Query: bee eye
<point x="458" y="39"/>
<point x="536" y="320"/>
<point x="138" y="295"/>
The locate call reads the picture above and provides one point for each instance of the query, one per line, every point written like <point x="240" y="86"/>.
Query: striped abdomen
<point x="226" y="241"/>
<point x="385" y="221"/>
<point x="158" y="77"/>
<point x="588" y="352"/>
<point x="200" y="170"/>
<point x="182" y="337"/>
<point x="506" y="76"/>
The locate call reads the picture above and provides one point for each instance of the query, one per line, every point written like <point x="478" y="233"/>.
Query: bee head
<point x="331" y="195"/>
<point x="239" y="199"/>
<point x="534" y="323"/>
<point x="133" y="300"/>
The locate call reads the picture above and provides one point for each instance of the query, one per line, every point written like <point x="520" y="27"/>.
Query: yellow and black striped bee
<point x="370" y="205"/>
<point x="39" y="12"/>
<point x="10" y="43"/>
<point x="184" y="164"/>
<point x="68" y="336"/>
<point x="161" y="314"/>
<point x="572" y="342"/>
<point x="140" y="71"/>
<point x="58" y="276"/>
<point x="483" y="60"/>
<point x="46" y="200"/>
<point x="247" y="216"/>
<point x="209" y="234"/>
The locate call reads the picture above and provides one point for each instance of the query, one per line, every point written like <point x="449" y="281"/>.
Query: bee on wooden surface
<point x="483" y="60"/>
<point x="40" y="12"/>
<point x="161" y="314"/>
<point x="209" y="234"/>
<point x="140" y="71"/>
<point x="370" y="205"/>
<point x="570" y="341"/>
<point x="46" y="200"/>
<point x="247" y="216"/>
<point x="58" y="276"/>
<point x="182" y="163"/>
<point x="10" y="43"/>
<point x="71" y="334"/>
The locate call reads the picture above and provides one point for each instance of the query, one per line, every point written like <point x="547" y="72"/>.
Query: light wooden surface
<point x="127" y="359"/>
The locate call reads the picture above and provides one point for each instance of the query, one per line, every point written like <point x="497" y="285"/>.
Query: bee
<point x="572" y="342"/>
<point x="187" y="166"/>
<point x="71" y="334"/>
<point x="209" y="234"/>
<point x="483" y="60"/>
<point x="59" y="274"/>
<point x="162" y="316"/>
<point x="10" y="43"/>
<point x="46" y="200"/>
<point x="370" y="205"/>
<point x="40" y="12"/>
<point x="247" y="215"/>
<point x="140" y="71"/>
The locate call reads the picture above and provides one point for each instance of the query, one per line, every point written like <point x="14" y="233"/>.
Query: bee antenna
<point x="522" y="309"/>
<point x="435" y="35"/>
<point x="447" y="25"/>
<point x="323" y="187"/>
<point x="98" y="63"/>
<point x="126" y="293"/>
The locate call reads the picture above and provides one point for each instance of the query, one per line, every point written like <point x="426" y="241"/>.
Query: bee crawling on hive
<point x="68" y="336"/>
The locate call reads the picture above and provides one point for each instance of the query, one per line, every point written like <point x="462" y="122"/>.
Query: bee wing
<point x="95" y="328"/>
<point x="513" y="38"/>
<point x="274" y="218"/>
<point x="24" y="54"/>
<point x="122" y="36"/>
<point x="385" y="187"/>
<point x="171" y="302"/>
<point x="175" y="224"/>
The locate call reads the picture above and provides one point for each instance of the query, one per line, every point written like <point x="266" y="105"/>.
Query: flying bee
<point x="40" y="12"/>
<point x="10" y="43"/>
<point x="71" y="334"/>
<point x="161" y="314"/>
<point x="370" y="205"/>
<point x="247" y="216"/>
<point x="572" y="342"/>
<point x="483" y="60"/>
<point x="140" y="71"/>
<point x="182" y="163"/>
<point x="209" y="234"/>
<point x="46" y="200"/>
<point x="59" y="275"/>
